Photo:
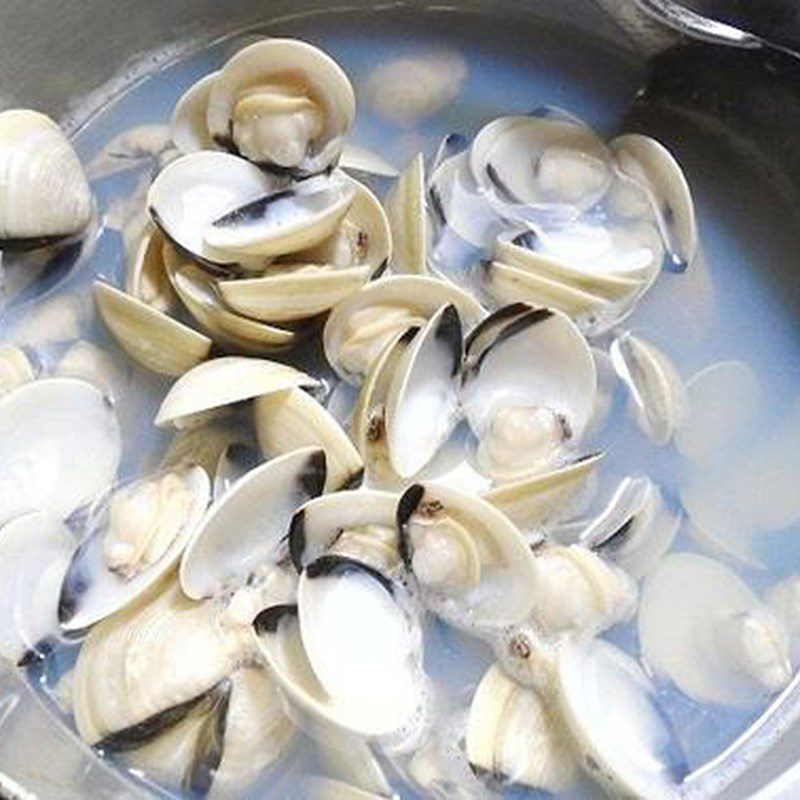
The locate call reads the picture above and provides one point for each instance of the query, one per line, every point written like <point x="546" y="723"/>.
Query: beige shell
<point x="405" y="208"/>
<point x="146" y="278"/>
<point x="16" y="368"/>
<point x="150" y="338"/>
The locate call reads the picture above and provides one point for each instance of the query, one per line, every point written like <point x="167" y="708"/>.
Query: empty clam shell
<point x="284" y="104"/>
<point x="651" y="166"/>
<point x="223" y="381"/>
<point x="290" y="419"/>
<point x="154" y="340"/>
<point x="200" y="294"/>
<point x="146" y="278"/>
<point x="536" y="499"/>
<point x="422" y="401"/>
<point x="471" y="562"/>
<point x="188" y="127"/>
<point x="610" y="707"/>
<point x="35" y="550"/>
<point x="357" y="526"/>
<point x="282" y="220"/>
<point x="656" y="388"/>
<point x="703" y="628"/>
<point x="43" y="425"/>
<point x="514" y="739"/>
<point x="134" y="535"/>
<point x="45" y="195"/>
<point x="243" y="530"/>
<point x="359" y="328"/>
<point x="528" y="389"/>
<point x="407" y="214"/>
<point x="16" y="368"/>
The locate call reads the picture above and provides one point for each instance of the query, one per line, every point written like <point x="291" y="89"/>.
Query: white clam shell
<point x="35" y="551"/>
<point x="146" y="278"/>
<point x="223" y="381"/>
<point x="406" y="209"/>
<point x="188" y="127"/>
<point x="42" y="426"/>
<point x="44" y="194"/>
<point x="151" y="338"/>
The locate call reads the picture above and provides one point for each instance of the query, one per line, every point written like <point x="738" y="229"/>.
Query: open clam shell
<point x="223" y="381"/>
<point x="35" y="551"/>
<point x="703" y="628"/>
<point x="45" y="194"/>
<point x="313" y="280"/>
<point x="282" y="220"/>
<point x="151" y="338"/>
<point x="422" y="405"/>
<point x="610" y="707"/>
<point x="188" y="127"/>
<point x="380" y="697"/>
<point x="361" y="527"/>
<point x="359" y="328"/>
<point x="471" y="562"/>
<point x="146" y="278"/>
<point x="243" y="530"/>
<point x="43" y="425"/>
<point x="514" y="739"/>
<point x="138" y="672"/>
<point x="652" y="167"/>
<point x="200" y="294"/>
<point x="406" y="209"/>
<point x="528" y="389"/>
<point x="283" y="104"/>
<point x="291" y="419"/>
<point x="134" y="536"/>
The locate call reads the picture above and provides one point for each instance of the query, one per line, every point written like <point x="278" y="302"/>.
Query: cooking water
<point x="730" y="331"/>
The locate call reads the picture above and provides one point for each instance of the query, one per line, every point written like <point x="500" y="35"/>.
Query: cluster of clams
<point x="271" y="577"/>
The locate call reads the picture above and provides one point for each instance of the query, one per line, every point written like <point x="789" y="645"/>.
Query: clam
<point x="313" y="280"/>
<point x="147" y="668"/>
<point x="200" y="294"/>
<point x="656" y="388"/>
<point x="703" y="628"/>
<point x="45" y="195"/>
<point x="528" y="390"/>
<point x="146" y="278"/>
<point x="35" y="550"/>
<point x="134" y="535"/>
<point x="283" y="104"/>
<point x="154" y="340"/>
<point x="406" y="209"/>
<point x="573" y="589"/>
<point x="650" y="166"/>
<point x="16" y="368"/>
<point x="43" y="425"/>
<point x="471" y="563"/>
<point x="372" y="686"/>
<point x="290" y="419"/>
<point x="188" y="128"/>
<point x="223" y="381"/>
<point x="513" y="738"/>
<point x="422" y="406"/>
<point x="360" y="527"/>
<point x="636" y="529"/>
<point x="537" y="499"/>
<point x="243" y="530"/>
<point x="610" y="707"/>
<point x="226" y="742"/>
<point x="368" y="422"/>
<point x="359" y="328"/>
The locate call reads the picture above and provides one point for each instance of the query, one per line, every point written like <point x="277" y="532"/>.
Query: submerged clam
<point x="703" y="628"/>
<point x="133" y="536"/>
<point x="360" y="328"/>
<point x="471" y="562"/>
<point x="528" y="390"/>
<point x="45" y="196"/>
